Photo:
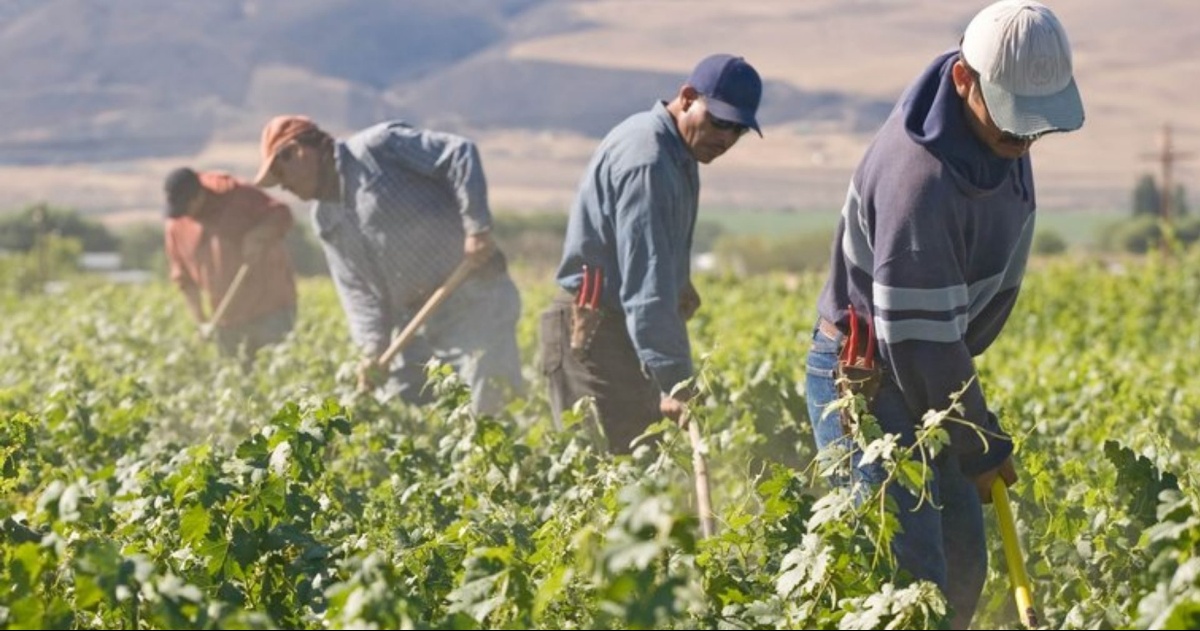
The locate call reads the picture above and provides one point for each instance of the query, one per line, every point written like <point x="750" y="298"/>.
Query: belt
<point x="829" y="329"/>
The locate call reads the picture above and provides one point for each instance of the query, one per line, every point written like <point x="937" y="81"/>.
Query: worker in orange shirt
<point x="215" y="224"/>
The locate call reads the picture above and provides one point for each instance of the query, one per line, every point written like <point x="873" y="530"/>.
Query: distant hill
<point x="504" y="93"/>
<point x="89" y="80"/>
<point x="101" y="98"/>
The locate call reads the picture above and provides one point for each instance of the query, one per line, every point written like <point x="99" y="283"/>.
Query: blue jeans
<point x="943" y="540"/>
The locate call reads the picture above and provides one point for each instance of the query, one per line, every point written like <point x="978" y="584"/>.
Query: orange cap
<point x="278" y="133"/>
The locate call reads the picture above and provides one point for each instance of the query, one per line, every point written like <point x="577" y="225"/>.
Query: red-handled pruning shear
<point x="850" y="353"/>
<point x="589" y="291"/>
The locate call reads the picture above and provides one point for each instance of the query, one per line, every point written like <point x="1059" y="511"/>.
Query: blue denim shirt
<point x="409" y="198"/>
<point x="633" y="217"/>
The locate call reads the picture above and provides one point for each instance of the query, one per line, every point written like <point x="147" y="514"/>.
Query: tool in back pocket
<point x="857" y="371"/>
<point x="586" y="314"/>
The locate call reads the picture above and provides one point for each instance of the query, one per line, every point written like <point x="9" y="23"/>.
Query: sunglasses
<point x="720" y="124"/>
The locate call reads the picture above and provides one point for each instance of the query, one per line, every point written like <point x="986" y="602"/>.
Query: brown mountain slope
<point x="91" y="85"/>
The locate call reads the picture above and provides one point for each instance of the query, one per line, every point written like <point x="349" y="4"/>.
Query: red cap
<point x="276" y="135"/>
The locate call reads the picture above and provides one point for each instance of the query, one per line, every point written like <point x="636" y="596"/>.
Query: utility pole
<point x="1166" y="157"/>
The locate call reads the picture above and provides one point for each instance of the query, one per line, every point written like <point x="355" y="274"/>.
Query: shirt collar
<point x="666" y="120"/>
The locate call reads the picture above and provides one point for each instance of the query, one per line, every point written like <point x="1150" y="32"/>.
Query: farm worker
<point x="930" y="252"/>
<point x="214" y="224"/>
<point x="397" y="209"/>
<point x="617" y="331"/>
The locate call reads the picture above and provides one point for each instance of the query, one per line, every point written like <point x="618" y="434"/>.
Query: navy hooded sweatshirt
<point x="932" y="243"/>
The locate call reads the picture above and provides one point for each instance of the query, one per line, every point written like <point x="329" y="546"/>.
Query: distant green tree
<point x="19" y="231"/>
<point x="142" y="247"/>
<point x="1048" y="243"/>
<point x="28" y="272"/>
<point x="1146" y="199"/>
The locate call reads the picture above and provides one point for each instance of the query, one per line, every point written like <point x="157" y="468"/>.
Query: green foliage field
<point x="147" y="483"/>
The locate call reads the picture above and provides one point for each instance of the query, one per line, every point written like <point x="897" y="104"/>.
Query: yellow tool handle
<point x="227" y="299"/>
<point x="1012" y="553"/>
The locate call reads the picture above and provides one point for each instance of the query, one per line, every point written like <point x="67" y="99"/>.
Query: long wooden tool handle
<point x="700" y="467"/>
<point x="229" y="293"/>
<point x="410" y="330"/>
<point x="1012" y="553"/>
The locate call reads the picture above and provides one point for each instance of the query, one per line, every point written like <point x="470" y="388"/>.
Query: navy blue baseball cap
<point x="731" y="86"/>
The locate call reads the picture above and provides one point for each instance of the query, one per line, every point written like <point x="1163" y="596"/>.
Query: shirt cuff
<point x="670" y="374"/>
<point x="474" y="226"/>
<point x="978" y="456"/>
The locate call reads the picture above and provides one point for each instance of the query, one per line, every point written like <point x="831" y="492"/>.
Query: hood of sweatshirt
<point x="934" y="117"/>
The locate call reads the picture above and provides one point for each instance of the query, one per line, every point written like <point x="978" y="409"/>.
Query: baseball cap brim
<point x="276" y="135"/>
<point x="727" y="112"/>
<point x="266" y="173"/>
<point x="1031" y="115"/>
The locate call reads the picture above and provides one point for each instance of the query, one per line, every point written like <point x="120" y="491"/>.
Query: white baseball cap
<point x="1021" y="52"/>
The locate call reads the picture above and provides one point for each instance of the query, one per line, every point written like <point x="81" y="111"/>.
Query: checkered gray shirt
<point x="409" y="198"/>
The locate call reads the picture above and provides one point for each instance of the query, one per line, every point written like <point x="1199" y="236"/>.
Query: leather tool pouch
<point x="585" y="321"/>
<point x="856" y="380"/>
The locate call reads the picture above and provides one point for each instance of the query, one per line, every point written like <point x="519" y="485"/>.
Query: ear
<point x="687" y="96"/>
<point x="962" y="79"/>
